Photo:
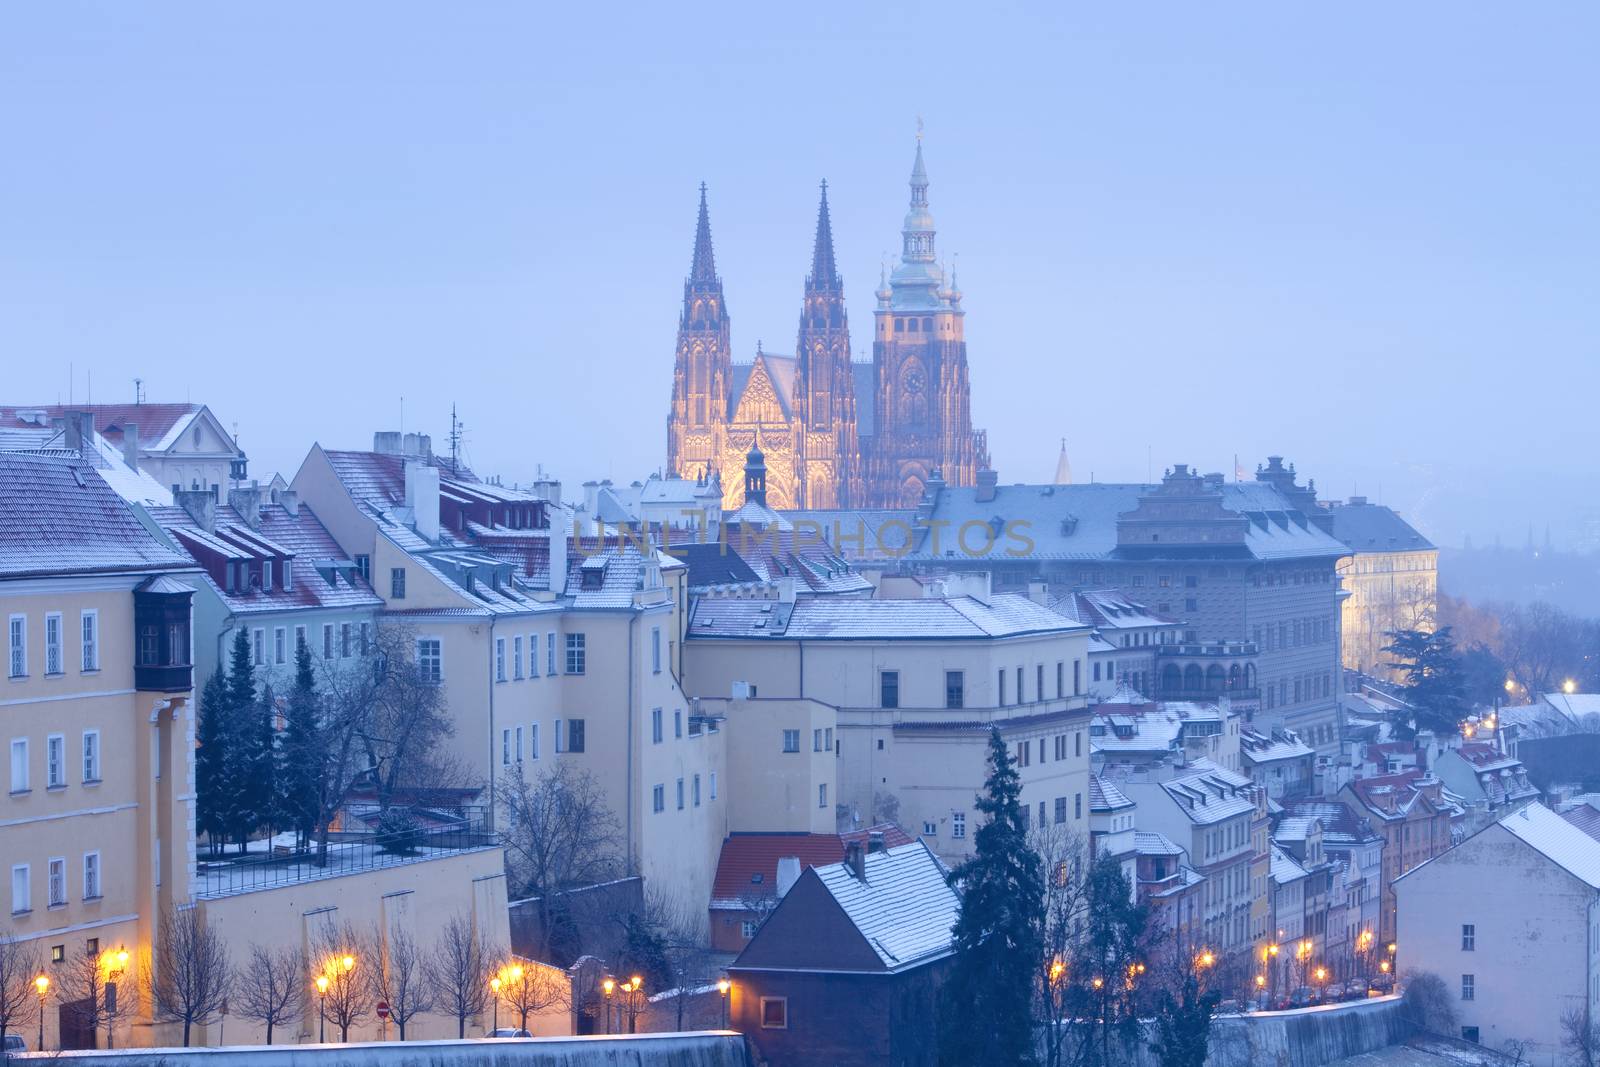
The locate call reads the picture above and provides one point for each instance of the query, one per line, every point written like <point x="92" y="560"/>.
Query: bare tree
<point x="19" y="999"/>
<point x="409" y="723"/>
<point x="1428" y="1004"/>
<point x="1580" y="1037"/>
<point x="342" y="961"/>
<point x="685" y="955"/>
<point x="191" y="975"/>
<point x="559" y="834"/>
<point x="83" y="991"/>
<point x="459" y="973"/>
<point x="400" y="982"/>
<point x="530" y="988"/>
<point x="759" y="903"/>
<point x="272" y="987"/>
<point x="1064" y="858"/>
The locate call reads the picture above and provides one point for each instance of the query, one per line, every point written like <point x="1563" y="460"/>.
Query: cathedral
<point x="835" y="432"/>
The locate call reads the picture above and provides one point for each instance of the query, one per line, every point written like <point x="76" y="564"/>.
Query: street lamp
<point x="723" y="985"/>
<point x="1569" y="686"/>
<point x="348" y="963"/>
<point x="322" y="1008"/>
<point x="494" y="984"/>
<point x="41" y="986"/>
<point x="610" y="986"/>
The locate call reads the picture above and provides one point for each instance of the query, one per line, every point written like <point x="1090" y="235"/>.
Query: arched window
<point x="1193" y="679"/>
<point x="1233" y="676"/>
<point x="1214" y="678"/>
<point x="1171" y="678"/>
<point x="911" y="324"/>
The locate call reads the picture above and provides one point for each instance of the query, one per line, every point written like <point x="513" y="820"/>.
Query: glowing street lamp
<point x="723" y="985"/>
<point x="322" y="1008"/>
<point x="494" y="984"/>
<point x="1569" y="686"/>
<point x="348" y="963"/>
<point x="41" y="986"/>
<point x="610" y="987"/>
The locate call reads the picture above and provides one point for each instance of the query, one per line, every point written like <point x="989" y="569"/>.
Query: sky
<point x="1362" y="236"/>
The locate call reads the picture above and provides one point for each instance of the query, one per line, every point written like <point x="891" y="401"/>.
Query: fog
<point x="1361" y="237"/>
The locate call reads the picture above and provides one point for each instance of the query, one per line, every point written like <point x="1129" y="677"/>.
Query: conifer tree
<point x="210" y="761"/>
<point x="261" y="775"/>
<point x="298" y="776"/>
<point x="239" y="808"/>
<point x="988" y="994"/>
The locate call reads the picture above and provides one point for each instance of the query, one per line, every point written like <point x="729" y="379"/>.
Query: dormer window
<point x="266" y="575"/>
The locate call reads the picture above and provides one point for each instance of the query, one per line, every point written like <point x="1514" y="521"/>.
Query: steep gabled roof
<point x="747" y="866"/>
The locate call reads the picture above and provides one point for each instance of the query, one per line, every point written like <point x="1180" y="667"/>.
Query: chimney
<point x="855" y="858"/>
<point x="422" y="497"/>
<point x="386" y="442"/>
<point x="558" y="556"/>
<point x="875" y="841"/>
<point x="547" y="489"/>
<point x="591" y="496"/>
<point x="247" y="502"/>
<point x="130" y="445"/>
<point x="290" y="499"/>
<point x="1038" y="591"/>
<point x="201" y="506"/>
<point x="786" y="589"/>
<point x="987" y="480"/>
<point x="79" y="431"/>
<point x="788" y="874"/>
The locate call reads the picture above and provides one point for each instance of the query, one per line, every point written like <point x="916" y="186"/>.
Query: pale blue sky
<point x="1363" y="236"/>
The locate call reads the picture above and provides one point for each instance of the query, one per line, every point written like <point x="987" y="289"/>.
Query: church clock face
<point x="913" y="379"/>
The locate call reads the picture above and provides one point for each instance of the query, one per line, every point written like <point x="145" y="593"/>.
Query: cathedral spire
<point x="917" y="281"/>
<point x="703" y="269"/>
<point x="824" y="269"/>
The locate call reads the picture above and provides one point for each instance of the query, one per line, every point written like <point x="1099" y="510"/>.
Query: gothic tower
<point x="701" y="374"/>
<point x="827" y="465"/>
<point x="923" y="421"/>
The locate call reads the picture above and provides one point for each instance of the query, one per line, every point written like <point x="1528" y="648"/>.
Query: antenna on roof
<point x="138" y="390"/>
<point x="455" y="442"/>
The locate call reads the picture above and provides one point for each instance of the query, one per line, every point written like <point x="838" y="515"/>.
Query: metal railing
<point x="401" y="835"/>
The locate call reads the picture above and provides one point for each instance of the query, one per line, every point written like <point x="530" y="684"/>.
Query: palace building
<point x="835" y="432"/>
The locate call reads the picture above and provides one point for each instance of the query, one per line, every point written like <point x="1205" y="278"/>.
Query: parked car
<point x="14" y="1043"/>
<point x="1302" y="997"/>
<point x="510" y="1031"/>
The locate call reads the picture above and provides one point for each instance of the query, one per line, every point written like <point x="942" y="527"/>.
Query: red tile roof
<point x="1585" y="818"/>
<point x="748" y="865"/>
<point x="153" y="420"/>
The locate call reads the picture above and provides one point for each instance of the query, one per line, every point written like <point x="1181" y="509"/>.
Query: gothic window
<point x="912" y="325"/>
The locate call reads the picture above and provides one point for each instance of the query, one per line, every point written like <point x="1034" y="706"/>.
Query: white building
<point x="1509" y="919"/>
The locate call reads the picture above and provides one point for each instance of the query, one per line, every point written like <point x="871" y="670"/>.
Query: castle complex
<point x="823" y="448"/>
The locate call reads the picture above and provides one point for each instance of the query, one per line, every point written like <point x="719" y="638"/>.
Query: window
<point x="1019" y="685"/>
<point x="21" y="901"/>
<point x="52" y="644"/>
<point x="1191" y="604"/>
<point x="299" y="638"/>
<point x="516" y="658"/>
<point x="258" y="647"/>
<point x="713" y="784"/>
<point x="958" y="824"/>
<point x="822" y="795"/>
<point x="1469" y="937"/>
<point x="1061" y="809"/>
<point x="1060" y="692"/>
<point x="58" y="882"/>
<point x="658" y="798"/>
<point x="55" y="761"/>
<point x="1038" y="682"/>
<point x="327" y="640"/>
<point x="533" y="655"/>
<point x="655" y="650"/>
<point x="90" y="631"/>
<point x="655" y="725"/>
<point x="1077" y="743"/>
<point x="1061" y="747"/>
<point x="1077" y="805"/>
<point x="774" y="1013"/>
<point x="889" y="689"/>
<point x="955" y="689"/>
<point x="397" y="583"/>
<point x="575" y="653"/>
<point x="280" y="646"/>
<point x="516" y="749"/>
<point x="574" y="735"/>
<point x="430" y="660"/>
<point x="1469" y="987"/>
<point x="499" y="659"/>
<point x="559" y="742"/>
<point x="345" y="644"/>
<point x="19" y="765"/>
<point x="533" y="741"/>
<point x="1077" y="677"/>
<point x="747" y="928"/>
<point x="550" y="652"/>
<point x="1002" y="699"/>
<point x="1469" y="1033"/>
<point x="697" y="790"/>
<point x="505" y="748"/>
<point x="677" y="723"/>
<point x="18" y="638"/>
<point x="680" y="794"/>
<point x="266" y="575"/>
<point x="816" y="740"/>
<point x="791" y="740"/>
<point x="91" y="756"/>
<point x="363" y="568"/>
<point x="58" y="953"/>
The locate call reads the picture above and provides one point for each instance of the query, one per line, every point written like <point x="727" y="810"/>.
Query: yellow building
<point x="1391" y="580"/>
<point x="97" y="823"/>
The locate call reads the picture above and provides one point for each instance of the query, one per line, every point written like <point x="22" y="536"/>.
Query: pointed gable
<point x="765" y="396"/>
<point x="809" y="931"/>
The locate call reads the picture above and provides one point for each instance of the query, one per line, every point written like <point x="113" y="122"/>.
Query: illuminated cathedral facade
<point x="835" y="432"/>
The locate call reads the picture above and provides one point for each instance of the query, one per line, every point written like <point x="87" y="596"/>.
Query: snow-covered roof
<point x="1284" y="867"/>
<point x="1152" y="843"/>
<point x="848" y="618"/>
<point x="905" y="909"/>
<point x="1105" y="796"/>
<point x="1261" y="748"/>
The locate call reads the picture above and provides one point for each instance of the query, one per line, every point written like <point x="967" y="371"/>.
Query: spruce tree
<point x="262" y="772"/>
<point x="211" y="760"/>
<point x="998" y="939"/>
<point x="298" y="802"/>
<point x="240" y="703"/>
